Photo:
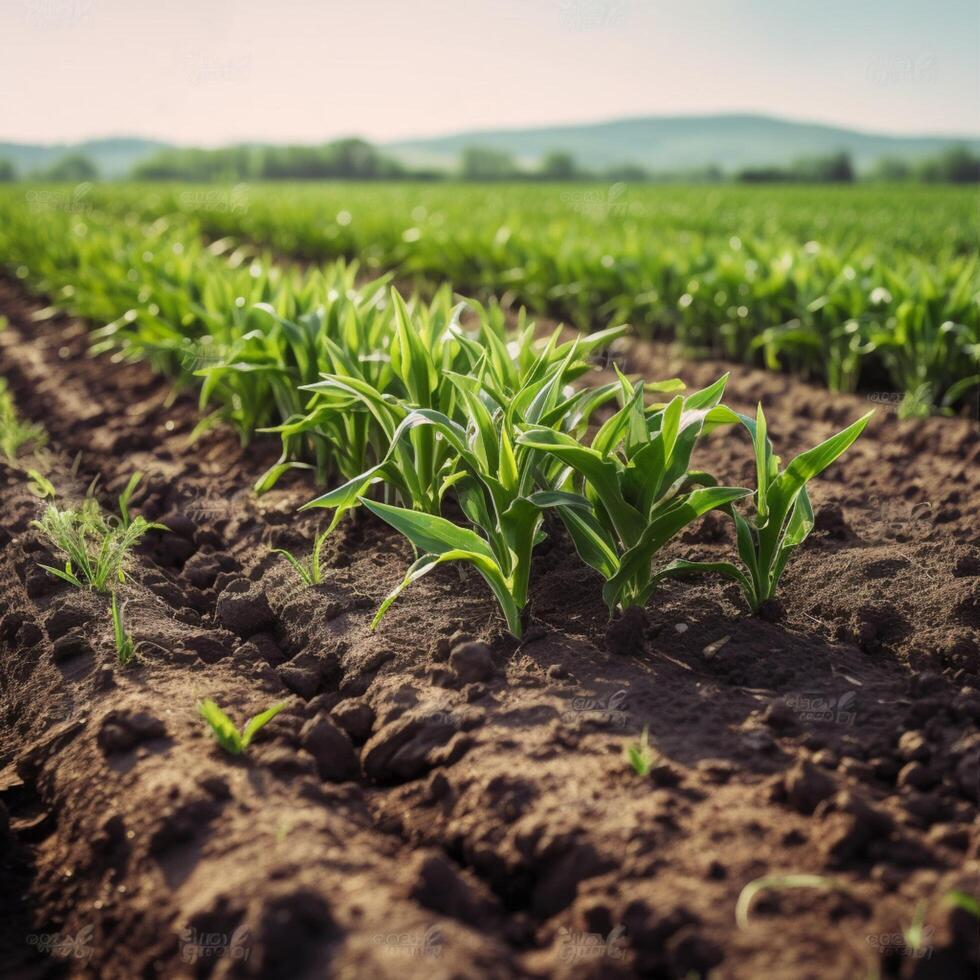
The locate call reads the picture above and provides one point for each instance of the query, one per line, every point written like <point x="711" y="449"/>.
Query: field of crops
<point x="378" y="632"/>
<point x="858" y="287"/>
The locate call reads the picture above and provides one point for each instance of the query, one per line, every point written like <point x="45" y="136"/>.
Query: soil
<point x="438" y="799"/>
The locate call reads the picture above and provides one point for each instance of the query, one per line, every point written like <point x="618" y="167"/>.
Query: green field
<point x="858" y="287"/>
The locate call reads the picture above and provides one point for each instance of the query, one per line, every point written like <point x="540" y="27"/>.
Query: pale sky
<point x="217" y="71"/>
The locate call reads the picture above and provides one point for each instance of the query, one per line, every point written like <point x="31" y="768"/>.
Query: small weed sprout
<point x="776" y="883"/>
<point x="311" y="572"/>
<point x="124" y="498"/>
<point x="40" y="485"/>
<point x="224" y="730"/>
<point x="639" y="754"/>
<point x="914" y="933"/>
<point x="95" y="548"/>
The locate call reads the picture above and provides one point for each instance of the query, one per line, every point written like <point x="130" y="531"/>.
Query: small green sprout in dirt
<point x="639" y="754"/>
<point x="311" y="572"/>
<point x="963" y="900"/>
<point x="783" y="513"/>
<point x="125" y="646"/>
<point x="914" y="933"/>
<point x="776" y="883"/>
<point x="124" y="498"/>
<point x="224" y="730"/>
<point x="15" y="434"/>
<point x="95" y="548"/>
<point x="41" y="486"/>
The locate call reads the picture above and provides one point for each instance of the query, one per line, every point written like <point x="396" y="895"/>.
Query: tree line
<point x="355" y="159"/>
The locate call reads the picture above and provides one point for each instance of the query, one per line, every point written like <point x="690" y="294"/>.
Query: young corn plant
<point x="494" y="483"/>
<point x="639" y="755"/>
<point x="125" y="645"/>
<point x="632" y="490"/>
<point x="783" y="516"/>
<point x="224" y="730"/>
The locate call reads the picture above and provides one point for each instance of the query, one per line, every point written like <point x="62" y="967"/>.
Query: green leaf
<point x="680" y="568"/>
<point x="271" y="476"/>
<point x="634" y="574"/>
<point x="429" y="533"/>
<point x="257" y="722"/>
<point x="593" y="544"/>
<point x="602" y="474"/>
<point x="761" y="464"/>
<point x="221" y="726"/>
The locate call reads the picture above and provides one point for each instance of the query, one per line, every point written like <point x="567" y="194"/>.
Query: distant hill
<point x="665" y="143"/>
<point x="114" y="156"/>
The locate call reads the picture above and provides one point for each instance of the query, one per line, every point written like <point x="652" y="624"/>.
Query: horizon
<point x="391" y="74"/>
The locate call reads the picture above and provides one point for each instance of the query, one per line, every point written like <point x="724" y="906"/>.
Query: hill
<point x="665" y="143"/>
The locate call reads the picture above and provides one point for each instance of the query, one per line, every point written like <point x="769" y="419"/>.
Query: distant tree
<point x="73" y="168"/>
<point x="351" y="159"/>
<point x="626" y="173"/>
<point x="891" y="168"/>
<point x="559" y="165"/>
<point x="7" y="172"/>
<point x="833" y="169"/>
<point x="764" y="175"/>
<point x="955" y="165"/>
<point x="484" y="163"/>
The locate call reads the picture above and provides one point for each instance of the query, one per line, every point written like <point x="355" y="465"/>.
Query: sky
<point x="211" y="72"/>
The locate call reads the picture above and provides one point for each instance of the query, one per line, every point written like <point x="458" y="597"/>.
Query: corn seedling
<point x="639" y="755"/>
<point x="632" y="489"/>
<point x="95" y="549"/>
<point x="783" y="513"/>
<point x="224" y="730"/>
<point x="494" y="483"/>
<point x="887" y="288"/>
<point x="125" y="646"/>
<point x="775" y="883"/>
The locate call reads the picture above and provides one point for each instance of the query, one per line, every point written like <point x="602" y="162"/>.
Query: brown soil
<point x="439" y="800"/>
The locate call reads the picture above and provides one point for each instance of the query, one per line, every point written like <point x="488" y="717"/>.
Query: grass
<point x="95" y="547"/>
<point x="223" y="728"/>
<point x="16" y="435"/>
<point x="125" y="646"/>
<point x="40" y="485"/>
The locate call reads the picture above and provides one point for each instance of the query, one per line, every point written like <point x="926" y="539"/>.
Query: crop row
<point x="417" y="414"/>
<point x="855" y="287"/>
